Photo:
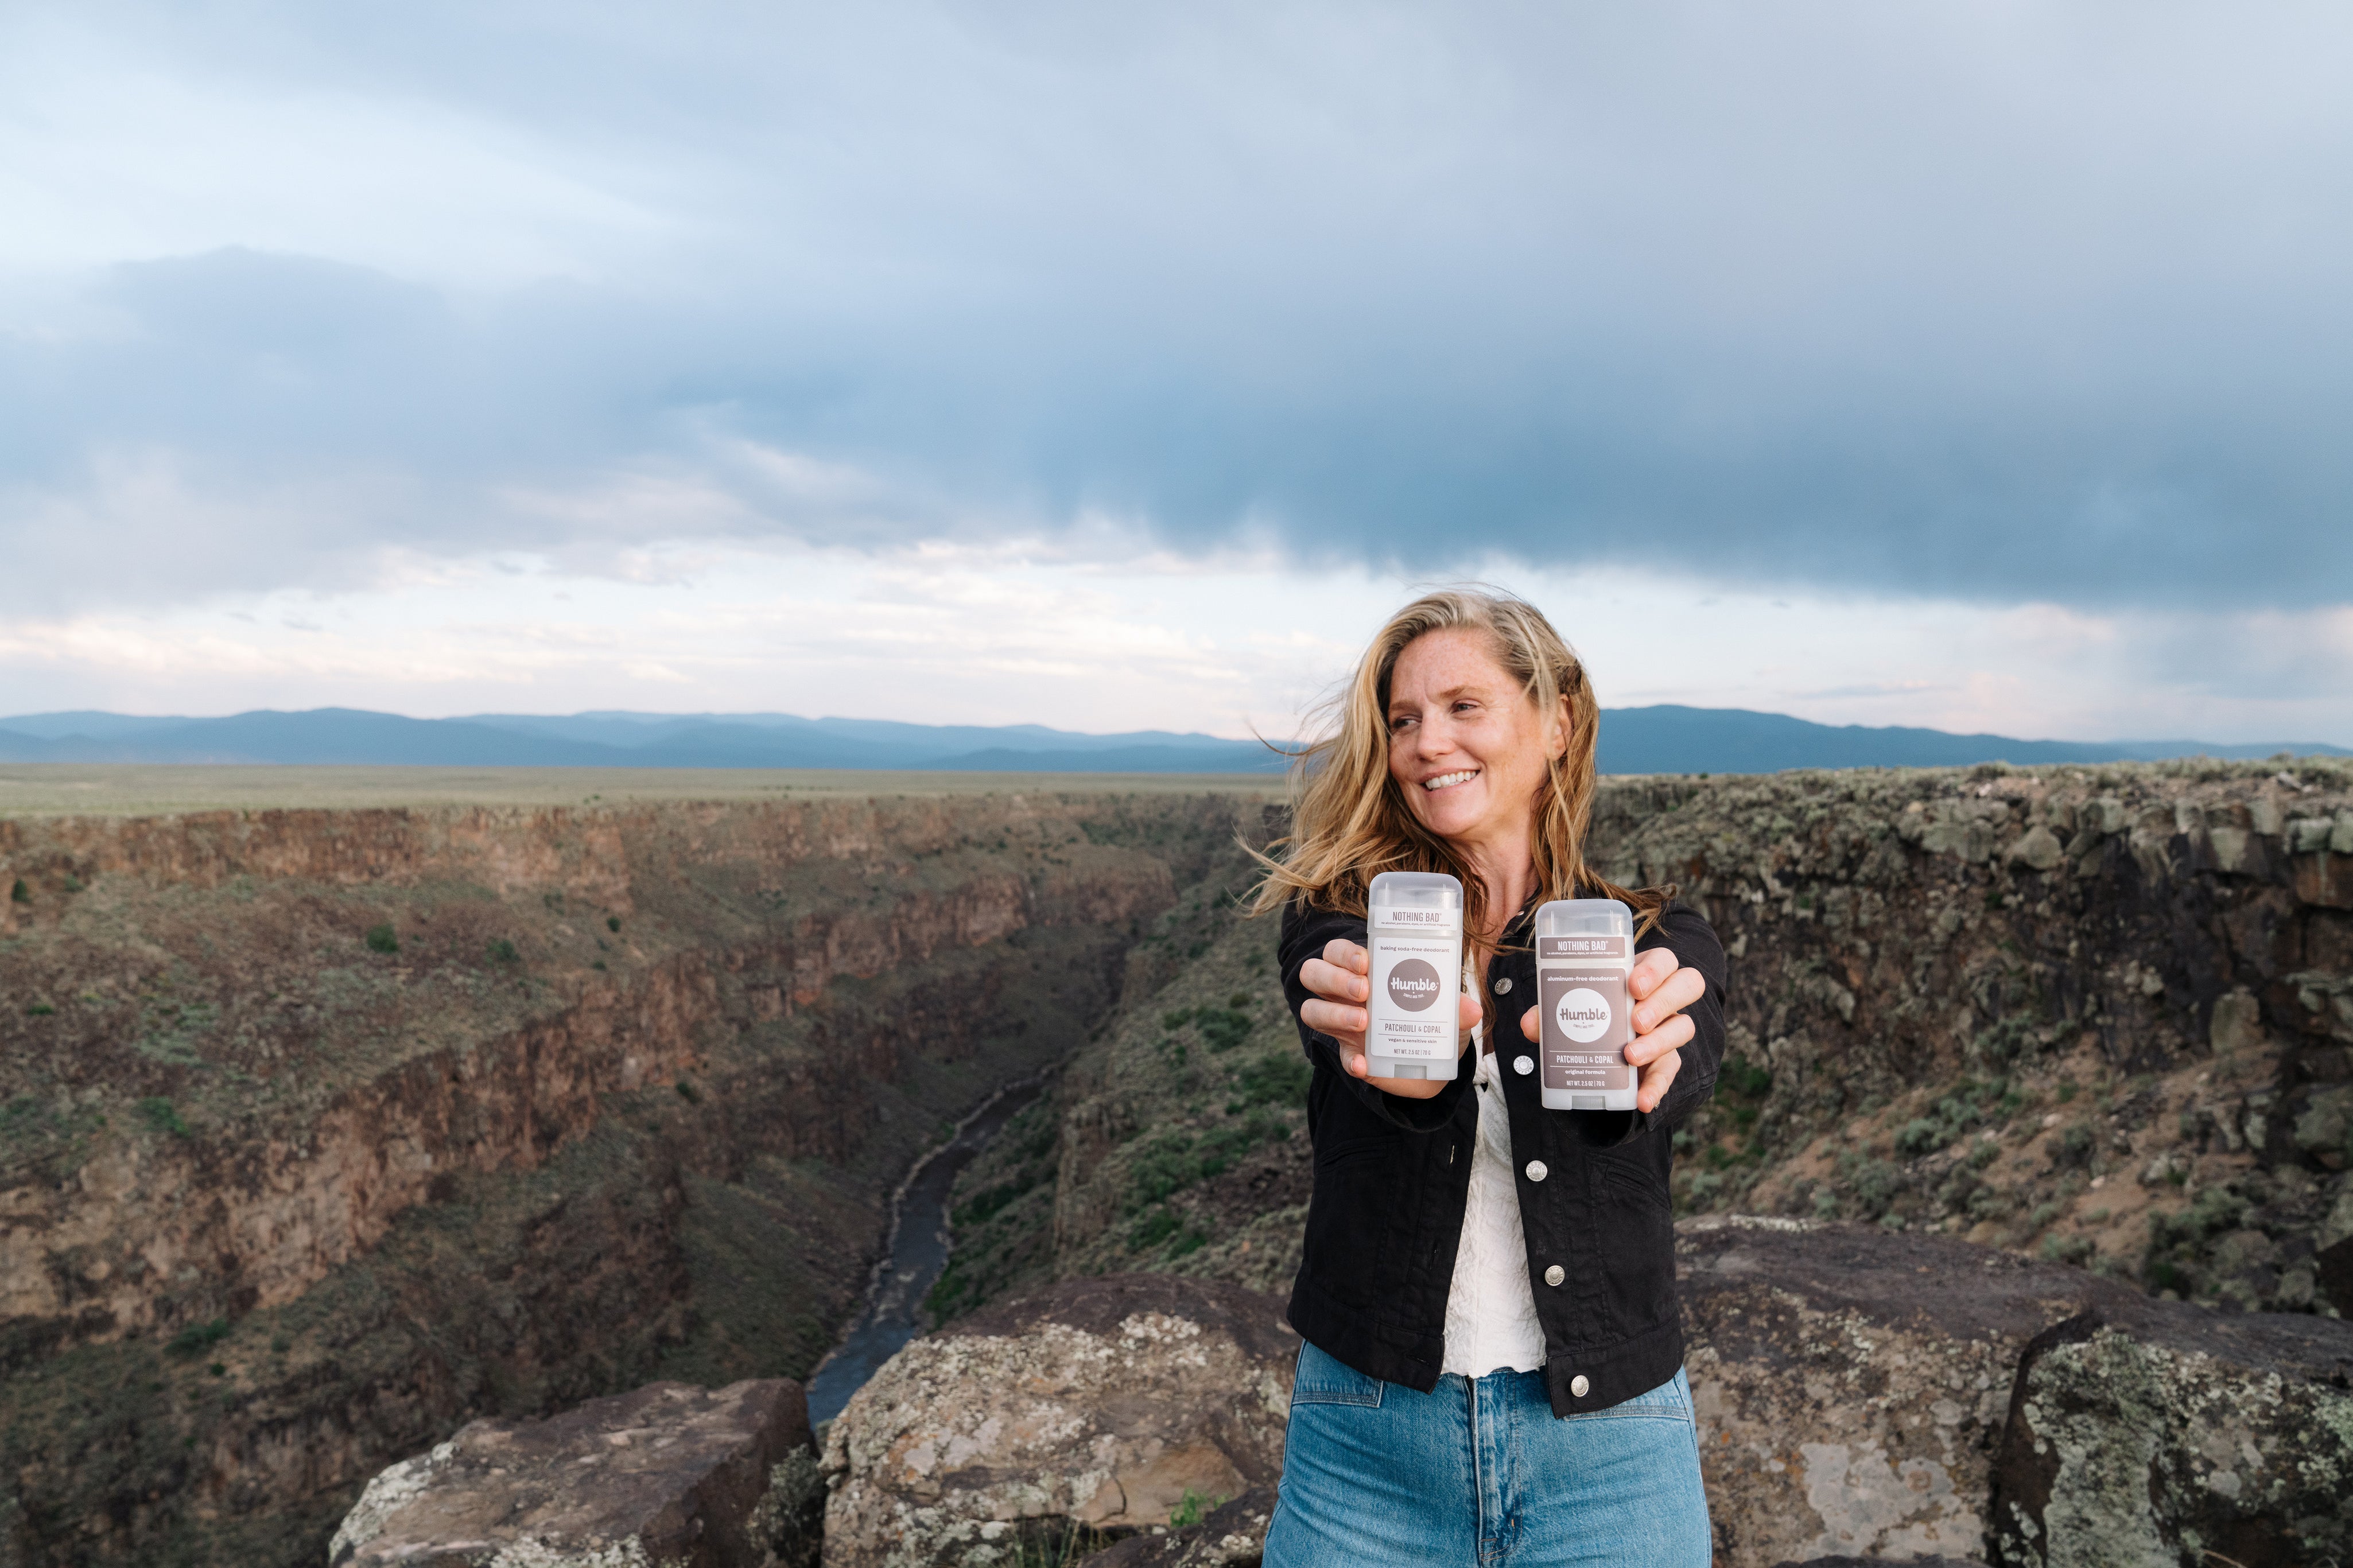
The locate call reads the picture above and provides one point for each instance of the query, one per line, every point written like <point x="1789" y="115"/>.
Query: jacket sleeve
<point x="1306" y="933"/>
<point x="1684" y="932"/>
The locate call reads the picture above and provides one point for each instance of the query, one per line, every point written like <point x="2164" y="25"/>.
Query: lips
<point x="1448" y="781"/>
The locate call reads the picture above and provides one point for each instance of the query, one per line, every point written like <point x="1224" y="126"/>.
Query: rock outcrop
<point x="2168" y="1435"/>
<point x="1874" y="1394"/>
<point x="1233" y="1535"/>
<point x="1102" y="1407"/>
<point x="1850" y="1382"/>
<point x="666" y="1477"/>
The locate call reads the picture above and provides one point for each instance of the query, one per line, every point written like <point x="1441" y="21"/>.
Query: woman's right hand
<point x="1339" y="983"/>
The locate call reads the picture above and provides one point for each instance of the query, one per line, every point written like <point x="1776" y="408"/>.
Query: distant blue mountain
<point x="1661" y="740"/>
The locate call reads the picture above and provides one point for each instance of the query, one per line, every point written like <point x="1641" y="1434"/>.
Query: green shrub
<point x="501" y="950"/>
<point x="688" y="1093"/>
<point x="382" y="939"/>
<point x="1239" y="1001"/>
<point x="198" y="1338"/>
<point x="1192" y="1507"/>
<point x="39" y="1010"/>
<point x="1153" y="1229"/>
<point x="1919" y="1136"/>
<point x="612" y="922"/>
<point x="1222" y="1028"/>
<point x="1176" y="1020"/>
<point x="162" y="1117"/>
<point x="20" y="893"/>
<point x="1279" y="1080"/>
<point x="73" y="883"/>
<point x="1744" y="1078"/>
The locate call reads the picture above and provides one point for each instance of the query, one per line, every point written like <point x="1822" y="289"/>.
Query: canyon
<point x="323" y="1131"/>
<point x="326" y="1131"/>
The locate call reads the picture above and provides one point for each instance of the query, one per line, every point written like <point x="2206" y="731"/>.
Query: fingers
<point x="1530" y="1025"/>
<point x="1675" y="992"/>
<point x="1649" y="969"/>
<point x="1655" y="1080"/>
<point x="1472" y="1012"/>
<point x="1332" y="981"/>
<point x="1667" y="1038"/>
<point x="1342" y="954"/>
<point x="1338" y="1019"/>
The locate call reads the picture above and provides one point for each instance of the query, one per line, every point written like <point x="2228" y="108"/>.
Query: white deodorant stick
<point x="1413" y="922"/>
<point x="1585" y="951"/>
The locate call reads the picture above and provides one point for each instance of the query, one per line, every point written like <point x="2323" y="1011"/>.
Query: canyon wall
<point x="322" y="1131"/>
<point x="2098" y="1015"/>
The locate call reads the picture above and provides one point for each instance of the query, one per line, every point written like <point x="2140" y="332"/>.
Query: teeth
<point x="1442" y="780"/>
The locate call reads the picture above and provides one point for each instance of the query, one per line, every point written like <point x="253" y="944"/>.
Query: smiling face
<point x="1467" y="748"/>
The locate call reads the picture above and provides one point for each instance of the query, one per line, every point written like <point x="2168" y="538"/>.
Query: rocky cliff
<point x="2099" y="1016"/>
<point x="324" y="1131"/>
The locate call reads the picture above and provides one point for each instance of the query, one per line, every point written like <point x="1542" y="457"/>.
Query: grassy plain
<point x="135" y="789"/>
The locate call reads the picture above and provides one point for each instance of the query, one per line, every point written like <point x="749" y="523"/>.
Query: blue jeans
<point x="1480" y="1471"/>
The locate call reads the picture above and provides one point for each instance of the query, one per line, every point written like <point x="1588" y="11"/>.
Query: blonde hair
<point x="1349" y="819"/>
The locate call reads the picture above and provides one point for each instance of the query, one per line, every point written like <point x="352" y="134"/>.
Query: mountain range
<point x="1664" y="739"/>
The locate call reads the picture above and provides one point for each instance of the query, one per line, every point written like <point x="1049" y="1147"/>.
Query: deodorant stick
<point x="1585" y="951"/>
<point x="1414" y="928"/>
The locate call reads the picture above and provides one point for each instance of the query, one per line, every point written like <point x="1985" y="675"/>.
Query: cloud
<point x="2009" y="303"/>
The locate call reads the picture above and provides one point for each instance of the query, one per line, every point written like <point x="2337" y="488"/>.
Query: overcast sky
<point x="1982" y="365"/>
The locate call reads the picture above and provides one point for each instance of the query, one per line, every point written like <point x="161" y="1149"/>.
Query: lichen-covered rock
<point x="1850" y="1382"/>
<point x="669" y="1476"/>
<point x="1100" y="1404"/>
<point x="2153" y="1434"/>
<point x="1232" y="1536"/>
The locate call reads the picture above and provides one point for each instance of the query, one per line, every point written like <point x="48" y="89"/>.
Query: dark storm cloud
<point x="2005" y="302"/>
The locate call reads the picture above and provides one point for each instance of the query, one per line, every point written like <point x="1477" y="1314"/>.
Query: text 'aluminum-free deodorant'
<point x="1413" y="926"/>
<point x="1585" y="951"/>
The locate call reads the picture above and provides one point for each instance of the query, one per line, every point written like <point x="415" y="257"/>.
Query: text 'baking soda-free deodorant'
<point x="1413" y="922"/>
<point x="1585" y="951"/>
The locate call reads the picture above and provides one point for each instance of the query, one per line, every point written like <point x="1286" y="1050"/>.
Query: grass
<point x="78" y="789"/>
<point x="382" y="939"/>
<point x="163" y="1116"/>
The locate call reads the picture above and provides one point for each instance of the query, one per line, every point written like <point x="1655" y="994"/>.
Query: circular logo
<point x="1583" y="1014"/>
<point x="1413" y="984"/>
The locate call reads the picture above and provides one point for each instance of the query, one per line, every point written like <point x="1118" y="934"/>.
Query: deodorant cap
<point x="1585" y="916"/>
<point x="1417" y="890"/>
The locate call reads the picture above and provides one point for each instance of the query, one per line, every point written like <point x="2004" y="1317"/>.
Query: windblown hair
<point x="1350" y="820"/>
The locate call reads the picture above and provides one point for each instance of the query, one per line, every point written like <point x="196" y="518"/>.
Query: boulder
<point x="1102" y="1405"/>
<point x="2149" y="1432"/>
<point x="669" y="1474"/>
<point x="1233" y="1536"/>
<point x="1851" y="1382"/>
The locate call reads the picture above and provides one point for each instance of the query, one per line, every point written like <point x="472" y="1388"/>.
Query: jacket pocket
<point x="1322" y="1380"/>
<point x="1623" y="1179"/>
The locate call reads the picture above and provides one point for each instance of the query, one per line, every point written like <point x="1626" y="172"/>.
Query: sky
<point x="1984" y="366"/>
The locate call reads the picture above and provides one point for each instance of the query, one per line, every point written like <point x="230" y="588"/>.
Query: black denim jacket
<point x="1393" y="1175"/>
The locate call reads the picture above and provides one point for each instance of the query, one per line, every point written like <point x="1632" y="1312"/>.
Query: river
<point x="918" y="1252"/>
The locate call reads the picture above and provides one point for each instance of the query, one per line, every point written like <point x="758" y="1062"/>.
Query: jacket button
<point x="1554" y="1275"/>
<point x="1524" y="1065"/>
<point x="1578" y="1385"/>
<point x="1502" y="984"/>
<point x="1536" y="1172"/>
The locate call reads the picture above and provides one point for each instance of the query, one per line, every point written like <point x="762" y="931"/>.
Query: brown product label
<point x="1585" y="1025"/>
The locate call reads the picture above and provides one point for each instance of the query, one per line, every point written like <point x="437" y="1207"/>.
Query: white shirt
<point x="1490" y="1309"/>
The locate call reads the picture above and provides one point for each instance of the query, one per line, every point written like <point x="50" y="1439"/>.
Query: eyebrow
<point x="1446" y="696"/>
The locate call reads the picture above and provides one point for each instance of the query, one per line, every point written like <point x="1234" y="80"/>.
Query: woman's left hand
<point x="1660" y="988"/>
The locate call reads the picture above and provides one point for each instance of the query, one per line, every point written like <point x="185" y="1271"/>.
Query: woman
<point x="1492" y="1371"/>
